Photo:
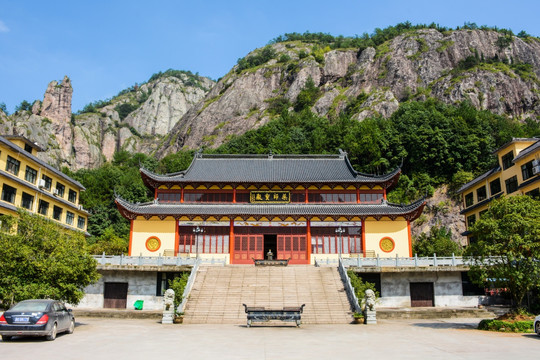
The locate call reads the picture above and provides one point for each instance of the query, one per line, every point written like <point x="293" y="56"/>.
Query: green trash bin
<point x="138" y="304"/>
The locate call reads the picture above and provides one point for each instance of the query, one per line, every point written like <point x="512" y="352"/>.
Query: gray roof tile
<point x="270" y="169"/>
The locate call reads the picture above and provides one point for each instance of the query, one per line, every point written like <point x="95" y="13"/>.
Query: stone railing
<point x="401" y="261"/>
<point x="189" y="286"/>
<point x="122" y="260"/>
<point x="351" y="295"/>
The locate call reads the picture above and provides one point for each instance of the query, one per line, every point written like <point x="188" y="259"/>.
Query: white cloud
<point x="3" y="27"/>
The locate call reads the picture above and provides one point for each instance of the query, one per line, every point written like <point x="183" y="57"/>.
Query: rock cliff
<point x="453" y="66"/>
<point x="135" y="120"/>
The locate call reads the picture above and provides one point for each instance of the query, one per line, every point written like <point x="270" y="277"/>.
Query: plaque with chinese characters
<point x="270" y="197"/>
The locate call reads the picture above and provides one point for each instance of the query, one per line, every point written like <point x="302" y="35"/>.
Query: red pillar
<point x="130" y="237"/>
<point x="364" y="237"/>
<point x="410" y="237"/>
<point x="308" y="226"/>
<point x="231" y="241"/>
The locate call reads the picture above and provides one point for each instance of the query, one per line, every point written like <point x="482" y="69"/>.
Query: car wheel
<point x="537" y="328"/>
<point x="71" y="327"/>
<point x="52" y="335"/>
<point x="6" y="337"/>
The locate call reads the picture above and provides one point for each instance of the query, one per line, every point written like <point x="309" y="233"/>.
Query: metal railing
<point x="351" y="295"/>
<point x="154" y="260"/>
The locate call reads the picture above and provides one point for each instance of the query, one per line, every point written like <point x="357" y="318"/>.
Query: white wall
<point x="447" y="288"/>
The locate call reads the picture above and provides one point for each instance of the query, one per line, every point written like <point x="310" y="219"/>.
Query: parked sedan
<point x="537" y="325"/>
<point x="36" y="318"/>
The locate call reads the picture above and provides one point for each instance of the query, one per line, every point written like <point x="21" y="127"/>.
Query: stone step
<point x="219" y="292"/>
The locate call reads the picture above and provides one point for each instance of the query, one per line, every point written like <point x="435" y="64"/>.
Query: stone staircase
<point x="219" y="292"/>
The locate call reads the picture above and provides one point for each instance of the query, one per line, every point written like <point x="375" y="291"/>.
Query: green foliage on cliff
<point x="438" y="241"/>
<point x="260" y="57"/>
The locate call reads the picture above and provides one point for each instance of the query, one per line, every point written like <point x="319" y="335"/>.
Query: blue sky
<point x="107" y="46"/>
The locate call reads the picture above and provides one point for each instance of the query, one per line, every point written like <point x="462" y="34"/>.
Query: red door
<point x="292" y="247"/>
<point x="248" y="247"/>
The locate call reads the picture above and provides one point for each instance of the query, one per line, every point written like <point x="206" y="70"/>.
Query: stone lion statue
<point x="168" y="299"/>
<point x="369" y="300"/>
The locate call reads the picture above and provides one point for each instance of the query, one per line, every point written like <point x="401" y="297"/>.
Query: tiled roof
<point x="300" y="209"/>
<point x="478" y="179"/>
<point x="41" y="162"/>
<point x="528" y="150"/>
<point x="270" y="169"/>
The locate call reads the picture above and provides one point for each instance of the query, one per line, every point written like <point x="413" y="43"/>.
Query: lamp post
<point x="340" y="232"/>
<point x="197" y="231"/>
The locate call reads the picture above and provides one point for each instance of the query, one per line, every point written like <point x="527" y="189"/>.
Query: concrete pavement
<point x="391" y="339"/>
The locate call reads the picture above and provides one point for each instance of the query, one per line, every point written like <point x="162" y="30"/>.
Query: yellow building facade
<point x="29" y="183"/>
<point x="517" y="172"/>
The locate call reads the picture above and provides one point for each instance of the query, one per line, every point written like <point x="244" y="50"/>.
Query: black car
<point x="36" y="318"/>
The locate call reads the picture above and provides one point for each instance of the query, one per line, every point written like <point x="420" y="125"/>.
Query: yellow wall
<point x="514" y="170"/>
<point x="397" y="230"/>
<point x="33" y="190"/>
<point x="164" y="230"/>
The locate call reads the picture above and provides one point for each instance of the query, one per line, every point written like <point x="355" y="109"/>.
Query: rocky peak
<point x="57" y="101"/>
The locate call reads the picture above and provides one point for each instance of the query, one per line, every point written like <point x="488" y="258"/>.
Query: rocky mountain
<point x="495" y="71"/>
<point x="135" y="120"/>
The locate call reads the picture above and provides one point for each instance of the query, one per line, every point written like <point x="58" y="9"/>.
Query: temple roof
<point x="274" y="169"/>
<point x="206" y="210"/>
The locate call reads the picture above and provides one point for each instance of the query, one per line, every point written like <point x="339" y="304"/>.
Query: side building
<point x="297" y="207"/>
<point x="31" y="184"/>
<point x="517" y="172"/>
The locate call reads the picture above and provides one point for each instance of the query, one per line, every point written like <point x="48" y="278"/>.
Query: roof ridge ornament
<point x="270" y="155"/>
<point x="342" y="154"/>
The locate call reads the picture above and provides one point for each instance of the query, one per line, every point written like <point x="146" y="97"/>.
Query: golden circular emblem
<point x="387" y="244"/>
<point x="153" y="243"/>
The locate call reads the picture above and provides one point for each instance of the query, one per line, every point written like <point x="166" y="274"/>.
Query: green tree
<point x="42" y="260"/>
<point x="109" y="243"/>
<point x="510" y="231"/>
<point x="23" y="106"/>
<point x="438" y="241"/>
<point x="3" y="108"/>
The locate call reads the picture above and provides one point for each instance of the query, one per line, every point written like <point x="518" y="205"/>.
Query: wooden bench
<point x="262" y="314"/>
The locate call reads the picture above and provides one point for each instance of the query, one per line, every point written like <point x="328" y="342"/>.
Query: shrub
<point x="178" y="284"/>
<point x="506" y="326"/>
<point x="360" y="286"/>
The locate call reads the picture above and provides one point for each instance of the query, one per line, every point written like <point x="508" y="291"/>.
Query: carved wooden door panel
<point x="292" y="247"/>
<point x="247" y="248"/>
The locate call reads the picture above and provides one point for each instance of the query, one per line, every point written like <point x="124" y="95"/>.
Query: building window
<point x="343" y="198"/>
<point x="469" y="199"/>
<point x="47" y="182"/>
<point x="511" y="184"/>
<point x="298" y="197"/>
<point x="527" y="170"/>
<point x="27" y="201"/>
<point x="481" y="193"/>
<point x="13" y="165"/>
<point x="81" y="222"/>
<point x="27" y="148"/>
<point x="72" y="196"/>
<point x="507" y="160"/>
<point x="8" y="193"/>
<point x="471" y="219"/>
<point x="60" y="189"/>
<point x="70" y="217"/>
<point x="495" y="186"/>
<point x="57" y="213"/>
<point x="30" y="175"/>
<point x="43" y="207"/>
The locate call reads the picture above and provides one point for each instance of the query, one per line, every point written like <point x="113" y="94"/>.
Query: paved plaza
<point x="390" y="339"/>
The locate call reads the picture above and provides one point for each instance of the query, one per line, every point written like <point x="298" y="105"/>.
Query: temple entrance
<point x="286" y="243"/>
<point x="270" y="244"/>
